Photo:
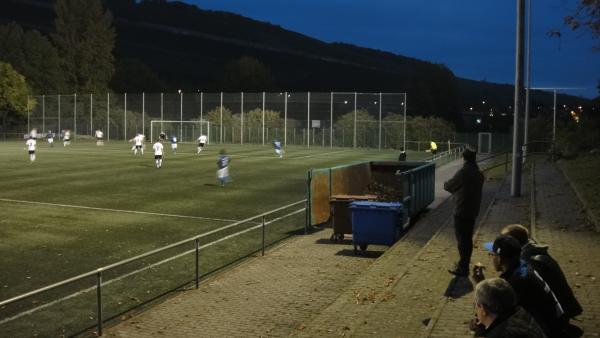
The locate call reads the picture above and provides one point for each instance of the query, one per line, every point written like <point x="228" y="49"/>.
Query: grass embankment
<point x="583" y="173"/>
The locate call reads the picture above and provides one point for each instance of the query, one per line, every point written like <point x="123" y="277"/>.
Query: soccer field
<point x="81" y="207"/>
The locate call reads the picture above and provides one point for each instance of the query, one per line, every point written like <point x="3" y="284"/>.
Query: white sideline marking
<point x="317" y="155"/>
<point x="118" y="210"/>
<point x="92" y="288"/>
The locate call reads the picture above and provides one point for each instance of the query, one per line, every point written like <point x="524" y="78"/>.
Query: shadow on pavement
<point x="458" y="287"/>
<point x="360" y="254"/>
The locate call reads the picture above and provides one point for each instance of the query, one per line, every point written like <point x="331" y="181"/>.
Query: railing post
<point x="506" y="162"/>
<point x="307" y="218"/>
<point x="197" y="263"/>
<point x="263" y="235"/>
<point x="99" y="300"/>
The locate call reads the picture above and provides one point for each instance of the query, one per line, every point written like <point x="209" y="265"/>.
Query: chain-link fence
<point x="375" y="120"/>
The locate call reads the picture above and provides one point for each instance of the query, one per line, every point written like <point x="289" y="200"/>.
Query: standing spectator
<point x="533" y="293"/>
<point x="538" y="257"/>
<point x="466" y="186"/>
<point x="498" y="314"/>
<point x="223" y="168"/>
<point x="31" y="145"/>
<point x="158" y="153"/>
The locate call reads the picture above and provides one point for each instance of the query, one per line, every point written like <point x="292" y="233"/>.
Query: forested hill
<point x="165" y="46"/>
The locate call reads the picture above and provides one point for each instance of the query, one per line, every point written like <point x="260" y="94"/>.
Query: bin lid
<point x="375" y="205"/>
<point x="353" y="197"/>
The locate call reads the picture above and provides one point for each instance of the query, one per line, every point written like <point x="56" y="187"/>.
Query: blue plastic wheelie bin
<point x="379" y="223"/>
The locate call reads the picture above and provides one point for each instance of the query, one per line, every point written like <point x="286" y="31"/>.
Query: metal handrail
<point x="98" y="272"/>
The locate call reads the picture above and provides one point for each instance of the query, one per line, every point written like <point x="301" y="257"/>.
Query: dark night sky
<point x="474" y="38"/>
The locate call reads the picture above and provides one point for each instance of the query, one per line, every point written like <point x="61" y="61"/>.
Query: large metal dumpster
<point x="415" y="180"/>
<point x="341" y="220"/>
<point x="376" y="223"/>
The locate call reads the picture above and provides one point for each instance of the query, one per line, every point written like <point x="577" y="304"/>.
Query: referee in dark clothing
<point x="466" y="186"/>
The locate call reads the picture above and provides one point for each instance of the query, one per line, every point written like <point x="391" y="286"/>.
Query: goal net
<point x="186" y="131"/>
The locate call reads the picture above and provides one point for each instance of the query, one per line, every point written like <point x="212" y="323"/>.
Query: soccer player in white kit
<point x="67" y="138"/>
<point x="31" y="143"/>
<point x="158" y="153"/>
<point x="201" y="142"/>
<point x="137" y="144"/>
<point x="99" y="138"/>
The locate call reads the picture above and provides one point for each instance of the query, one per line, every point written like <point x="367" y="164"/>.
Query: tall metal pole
<point x="528" y="81"/>
<point x="515" y="187"/>
<point x="161" y="113"/>
<point x="201" y="110"/>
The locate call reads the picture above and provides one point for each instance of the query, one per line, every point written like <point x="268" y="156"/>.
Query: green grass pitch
<point x="81" y="207"/>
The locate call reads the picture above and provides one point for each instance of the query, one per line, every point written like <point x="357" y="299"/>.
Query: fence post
<point x="354" y="130"/>
<point x="74" y="115"/>
<point x="59" y="115"/>
<point x="263" y="118"/>
<point x="92" y="114"/>
<point x="99" y="300"/>
<point x="125" y="117"/>
<point x="28" y="113"/>
<point x="506" y="162"/>
<point x="285" y="120"/>
<point x="242" y="119"/>
<point x="308" y="121"/>
<point x="221" y="120"/>
<point x="380" y="104"/>
<point x="43" y="112"/>
<point x="143" y="113"/>
<point x="108" y="116"/>
<point x="330" y="119"/>
<point x="263" y="235"/>
<point x="197" y="263"/>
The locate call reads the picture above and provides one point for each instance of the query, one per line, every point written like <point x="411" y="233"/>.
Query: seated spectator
<point x="538" y="257"/>
<point x="533" y="293"/>
<point x="498" y="314"/>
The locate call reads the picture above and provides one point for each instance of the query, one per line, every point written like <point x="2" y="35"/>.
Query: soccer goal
<point x="186" y="131"/>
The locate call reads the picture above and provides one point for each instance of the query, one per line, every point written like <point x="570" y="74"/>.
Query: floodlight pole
<point x="515" y="188"/>
<point x="528" y="80"/>
<point x="331" y="120"/>
<point x="354" y="131"/>
<point x="554" y="120"/>
<point x="404" y="125"/>
<point x="285" y="108"/>
<point x="242" y="118"/>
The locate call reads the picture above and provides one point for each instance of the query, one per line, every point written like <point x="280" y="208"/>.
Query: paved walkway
<point x="309" y="287"/>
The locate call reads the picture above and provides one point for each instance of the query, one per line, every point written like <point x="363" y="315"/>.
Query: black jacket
<point x="535" y="298"/>
<point x="518" y="324"/>
<point x="539" y="258"/>
<point x="466" y="186"/>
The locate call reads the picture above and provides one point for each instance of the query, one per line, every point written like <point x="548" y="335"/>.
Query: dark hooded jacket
<point x="541" y="261"/>
<point x="535" y="298"/>
<point x="518" y="324"/>
<point x="466" y="187"/>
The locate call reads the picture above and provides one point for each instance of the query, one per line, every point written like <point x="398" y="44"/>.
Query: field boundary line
<point x="117" y="210"/>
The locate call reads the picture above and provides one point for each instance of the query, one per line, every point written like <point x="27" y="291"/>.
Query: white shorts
<point x="223" y="173"/>
<point x="278" y="151"/>
<point x="173" y="145"/>
<point x="50" y="140"/>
